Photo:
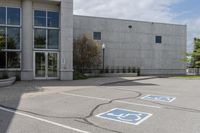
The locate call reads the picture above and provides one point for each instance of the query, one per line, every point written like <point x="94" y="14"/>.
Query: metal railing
<point x="193" y="71"/>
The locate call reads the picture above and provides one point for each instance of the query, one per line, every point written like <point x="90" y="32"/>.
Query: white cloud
<point x="193" y="31"/>
<point x="145" y="10"/>
<point x="152" y="10"/>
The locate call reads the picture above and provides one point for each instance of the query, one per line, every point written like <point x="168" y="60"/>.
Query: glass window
<point x="2" y="37"/>
<point x="53" y="19"/>
<point x="2" y="15"/>
<point x="40" y="18"/>
<point x="53" y="39"/>
<point x="97" y="35"/>
<point x="2" y="60"/>
<point x="13" y="16"/>
<point x="13" y="38"/>
<point x="40" y="38"/>
<point x="13" y="60"/>
<point x="158" y="39"/>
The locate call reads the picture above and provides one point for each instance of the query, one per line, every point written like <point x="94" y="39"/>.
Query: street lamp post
<point x="103" y="48"/>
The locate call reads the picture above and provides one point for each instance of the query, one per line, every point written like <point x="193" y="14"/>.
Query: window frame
<point x="12" y="50"/>
<point x="160" y="39"/>
<point x="47" y="11"/>
<point x="20" y="11"/>
<point x="45" y="28"/>
<point x="97" y="32"/>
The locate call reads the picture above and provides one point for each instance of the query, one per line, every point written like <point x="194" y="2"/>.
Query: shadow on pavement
<point x="10" y="99"/>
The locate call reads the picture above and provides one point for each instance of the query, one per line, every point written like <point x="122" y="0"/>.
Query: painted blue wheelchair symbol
<point x="159" y="98"/>
<point x="125" y="116"/>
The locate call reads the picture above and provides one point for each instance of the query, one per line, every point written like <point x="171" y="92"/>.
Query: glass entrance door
<point x="52" y="65"/>
<point x="46" y="65"/>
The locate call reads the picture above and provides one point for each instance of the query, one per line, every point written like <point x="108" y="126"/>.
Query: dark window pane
<point x="2" y="15"/>
<point x="53" y="39"/>
<point x="2" y="37"/>
<point x="2" y="60"/>
<point x="13" y="16"/>
<point x="97" y="35"/>
<point x="40" y="18"/>
<point x="40" y="38"/>
<point x="13" y="60"/>
<point x="53" y="19"/>
<point x="158" y="39"/>
<point x="13" y="38"/>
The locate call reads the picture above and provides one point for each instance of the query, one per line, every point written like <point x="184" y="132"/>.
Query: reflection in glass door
<point x="46" y="65"/>
<point x="52" y="65"/>
<point x="40" y="65"/>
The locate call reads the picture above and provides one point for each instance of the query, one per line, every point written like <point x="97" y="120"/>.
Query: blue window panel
<point x="125" y="116"/>
<point x="53" y="19"/>
<point x="159" y="98"/>
<point x="13" y="16"/>
<point x="2" y="15"/>
<point x="158" y="39"/>
<point x="40" y="18"/>
<point x="97" y="35"/>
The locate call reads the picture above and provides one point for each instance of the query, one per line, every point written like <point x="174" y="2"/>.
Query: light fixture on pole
<point x="103" y="48"/>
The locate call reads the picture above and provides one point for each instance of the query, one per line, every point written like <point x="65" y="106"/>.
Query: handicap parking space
<point x="159" y="98"/>
<point x="125" y="116"/>
<point x="106" y="109"/>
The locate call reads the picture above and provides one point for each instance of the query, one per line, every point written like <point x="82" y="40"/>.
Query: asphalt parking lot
<point x="102" y="105"/>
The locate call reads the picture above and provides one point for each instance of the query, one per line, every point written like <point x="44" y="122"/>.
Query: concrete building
<point x="156" y="48"/>
<point x="37" y="40"/>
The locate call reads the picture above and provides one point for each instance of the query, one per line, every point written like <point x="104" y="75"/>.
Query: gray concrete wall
<point x="27" y="41"/>
<point x="66" y="48"/>
<point x="136" y="47"/>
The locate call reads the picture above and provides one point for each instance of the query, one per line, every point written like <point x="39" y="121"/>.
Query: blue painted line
<point x="125" y="116"/>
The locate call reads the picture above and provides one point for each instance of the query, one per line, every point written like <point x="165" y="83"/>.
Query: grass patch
<point x="189" y="76"/>
<point x="79" y="76"/>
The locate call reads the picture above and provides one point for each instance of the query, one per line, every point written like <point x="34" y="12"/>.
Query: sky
<point x="165" y="11"/>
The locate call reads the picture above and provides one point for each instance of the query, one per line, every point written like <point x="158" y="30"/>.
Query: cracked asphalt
<point x="72" y="106"/>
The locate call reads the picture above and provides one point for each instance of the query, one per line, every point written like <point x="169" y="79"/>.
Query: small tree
<point x="87" y="53"/>
<point x="196" y="53"/>
<point x="195" y="56"/>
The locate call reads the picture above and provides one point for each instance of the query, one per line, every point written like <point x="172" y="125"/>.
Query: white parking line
<point x="43" y="120"/>
<point x="105" y="99"/>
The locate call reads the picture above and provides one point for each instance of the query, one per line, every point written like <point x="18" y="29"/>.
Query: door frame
<point x="46" y="65"/>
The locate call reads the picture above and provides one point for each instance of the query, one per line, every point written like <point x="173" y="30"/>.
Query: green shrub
<point x="79" y="76"/>
<point x="112" y="70"/>
<point x="124" y="69"/>
<point x="107" y="69"/>
<point x="129" y="69"/>
<point x="138" y="71"/>
<point x="118" y="69"/>
<point x="133" y="69"/>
